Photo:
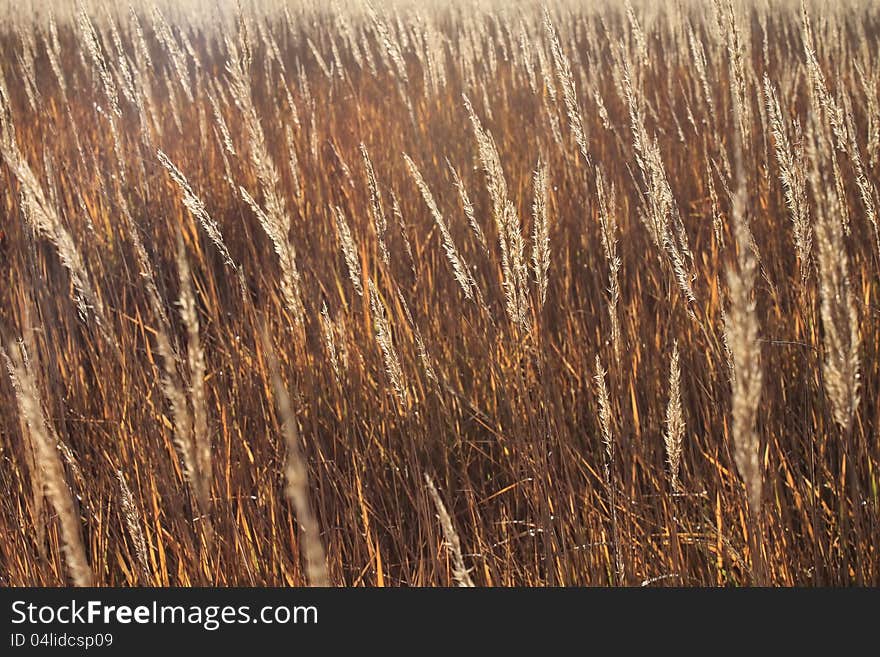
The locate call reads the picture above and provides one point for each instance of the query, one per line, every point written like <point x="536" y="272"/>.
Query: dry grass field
<point x="429" y="294"/>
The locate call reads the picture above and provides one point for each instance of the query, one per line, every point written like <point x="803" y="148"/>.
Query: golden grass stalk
<point x="132" y="517"/>
<point x="513" y="266"/>
<point x="730" y="30"/>
<point x="459" y="571"/>
<point x="166" y="36"/>
<point x="569" y="91"/>
<point x="221" y="124"/>
<point x="793" y="175"/>
<point x="660" y="212"/>
<point x="468" y="207"/>
<point x="201" y="466"/>
<point x="608" y="466"/>
<point x="197" y="208"/>
<point x="604" y="417"/>
<point x="380" y="222"/>
<point x="839" y="321"/>
<point x="273" y="216"/>
<point x="384" y="339"/>
<point x="43" y="216"/>
<point x="421" y="348"/>
<point x="741" y="331"/>
<point x="540" y="231"/>
<point x="397" y="213"/>
<point x="459" y="269"/>
<point x="293" y="163"/>
<point x="349" y="250"/>
<point x="329" y="340"/>
<point x="38" y="496"/>
<point x="675" y="424"/>
<point x="297" y="477"/>
<point x="45" y="441"/>
<point x="608" y="226"/>
<point x="93" y="47"/>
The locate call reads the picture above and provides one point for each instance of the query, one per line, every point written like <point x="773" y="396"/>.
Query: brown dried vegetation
<point x="387" y="295"/>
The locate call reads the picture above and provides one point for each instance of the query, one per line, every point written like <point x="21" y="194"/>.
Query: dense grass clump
<point x="375" y="293"/>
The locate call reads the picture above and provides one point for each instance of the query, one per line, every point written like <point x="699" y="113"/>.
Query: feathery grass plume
<point x="637" y="34"/>
<point x="7" y="129"/>
<point x="274" y="217"/>
<point x="111" y="91"/>
<point x="741" y="335"/>
<point x="675" y="425"/>
<point x="145" y="267"/>
<point x="527" y="58"/>
<point x="69" y="458"/>
<point x="392" y="49"/>
<point x="397" y="213"/>
<point x="131" y="515"/>
<point x="602" y="110"/>
<point x="174" y="391"/>
<point x="608" y="466"/>
<point x="467" y="206"/>
<point x="870" y="84"/>
<point x="349" y="250"/>
<point x="296" y="474"/>
<point x="660" y="211"/>
<point x="200" y="439"/>
<point x="380" y="222"/>
<point x="867" y="188"/>
<point x="459" y="571"/>
<point x="53" y="54"/>
<point x="136" y="89"/>
<point x="142" y="99"/>
<point x="547" y="76"/>
<point x="569" y="92"/>
<point x="45" y="442"/>
<point x="842" y="129"/>
<point x="608" y="225"/>
<point x="138" y="38"/>
<point x="391" y="45"/>
<point x="840" y="321"/>
<point x="326" y="70"/>
<point x="143" y="65"/>
<point x="838" y="310"/>
<point x="604" y="418"/>
<point x="166" y="36"/>
<point x="290" y="278"/>
<point x="43" y="217"/>
<point x="123" y="68"/>
<point x="195" y="205"/>
<point x="548" y="100"/>
<point x="459" y="270"/>
<point x="293" y="163"/>
<point x="386" y="344"/>
<point x="717" y="218"/>
<point x="513" y="266"/>
<point x="727" y="19"/>
<point x="221" y="124"/>
<point x="346" y="170"/>
<point x="541" y="231"/>
<point x="26" y="58"/>
<point x="36" y="473"/>
<point x="793" y="175"/>
<point x="698" y="58"/>
<point x="421" y="348"/>
<point x="425" y="358"/>
<point x="329" y="340"/>
<point x="338" y="63"/>
<point x="93" y="46"/>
